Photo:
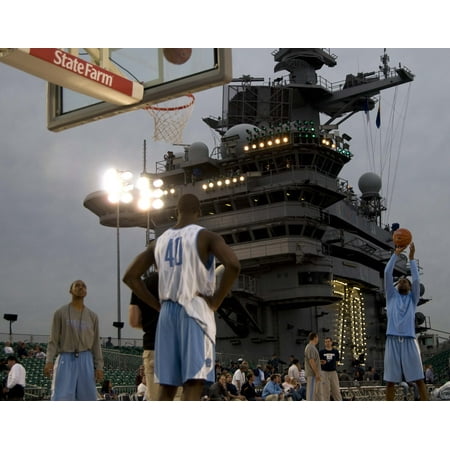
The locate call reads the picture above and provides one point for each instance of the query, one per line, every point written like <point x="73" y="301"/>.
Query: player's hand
<point x="99" y="375"/>
<point x="48" y="370"/>
<point x="398" y="250"/>
<point x="412" y="250"/>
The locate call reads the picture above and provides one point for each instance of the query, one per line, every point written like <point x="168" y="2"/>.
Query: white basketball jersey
<point x="182" y="274"/>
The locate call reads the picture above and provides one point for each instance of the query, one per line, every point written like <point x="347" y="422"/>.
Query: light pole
<point x="118" y="184"/>
<point x="119" y="188"/>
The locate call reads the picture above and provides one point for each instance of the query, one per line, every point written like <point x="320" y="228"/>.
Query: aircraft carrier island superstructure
<point x="312" y="251"/>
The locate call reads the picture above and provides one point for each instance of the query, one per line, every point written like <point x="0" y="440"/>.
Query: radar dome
<point x="369" y="184"/>
<point x="236" y="137"/>
<point x="198" y="151"/>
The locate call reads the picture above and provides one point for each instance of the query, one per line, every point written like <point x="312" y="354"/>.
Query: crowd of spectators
<point x="241" y="382"/>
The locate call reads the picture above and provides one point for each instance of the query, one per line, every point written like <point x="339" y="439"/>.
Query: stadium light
<point x="120" y="189"/>
<point x="10" y="318"/>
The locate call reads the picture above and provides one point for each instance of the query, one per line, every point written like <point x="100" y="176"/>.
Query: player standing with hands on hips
<point x="402" y="355"/>
<point x="185" y="337"/>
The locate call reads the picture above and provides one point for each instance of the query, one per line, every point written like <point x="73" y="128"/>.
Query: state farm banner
<point x="70" y="71"/>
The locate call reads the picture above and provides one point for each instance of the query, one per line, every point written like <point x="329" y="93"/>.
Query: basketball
<point x="177" y="55"/>
<point x="402" y="237"/>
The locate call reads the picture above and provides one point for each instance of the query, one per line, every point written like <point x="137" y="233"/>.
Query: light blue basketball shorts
<point x="74" y="377"/>
<point x="402" y="356"/>
<point x="182" y="350"/>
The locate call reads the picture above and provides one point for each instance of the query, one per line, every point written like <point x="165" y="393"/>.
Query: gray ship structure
<point x="312" y="251"/>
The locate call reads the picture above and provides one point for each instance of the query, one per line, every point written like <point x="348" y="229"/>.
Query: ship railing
<point x="246" y="283"/>
<point x="360" y="78"/>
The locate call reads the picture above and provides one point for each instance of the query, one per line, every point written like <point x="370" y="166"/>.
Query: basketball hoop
<point x="171" y="119"/>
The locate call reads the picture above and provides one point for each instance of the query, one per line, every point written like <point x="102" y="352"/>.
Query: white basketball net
<point x="171" y="119"/>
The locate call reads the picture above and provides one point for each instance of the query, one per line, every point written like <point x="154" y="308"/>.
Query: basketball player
<point x="402" y="356"/>
<point x="185" y="337"/>
<point x="143" y="316"/>
<point x="75" y="342"/>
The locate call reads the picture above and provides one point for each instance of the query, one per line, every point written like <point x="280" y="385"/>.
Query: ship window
<point x="276" y="196"/>
<point x="208" y="210"/>
<point x="243" y="236"/>
<point x="165" y="216"/>
<point x="280" y="163"/>
<point x="314" y="278"/>
<point x="305" y="159"/>
<point x="228" y="238"/>
<point x="252" y="167"/>
<point x="295" y="229"/>
<point x="224" y="206"/>
<point x="278" y="230"/>
<point x="241" y="202"/>
<point x="267" y="166"/>
<point x="258" y="200"/>
<point x="293" y="195"/>
<point x="335" y="169"/>
<point x="319" y="161"/>
<point x="319" y="199"/>
<point x="326" y="166"/>
<point x="261" y="233"/>
<point x="306" y="196"/>
<point x="309" y="231"/>
<point x="319" y="234"/>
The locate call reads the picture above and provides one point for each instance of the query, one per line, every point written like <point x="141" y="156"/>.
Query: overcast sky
<point x="48" y="239"/>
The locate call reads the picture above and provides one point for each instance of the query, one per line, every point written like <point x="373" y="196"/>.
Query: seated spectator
<point x="344" y="376"/>
<point x="371" y="375"/>
<point x="240" y="375"/>
<point x="302" y="377"/>
<point x="218" y="390"/>
<point x="218" y="369"/>
<point x="108" y="343"/>
<point x="429" y="374"/>
<point x="292" y="388"/>
<point x="273" y="390"/>
<point x="268" y="371"/>
<point x="287" y="384"/>
<point x="142" y="389"/>
<point x="38" y="353"/>
<point x="259" y="376"/>
<point x="107" y="391"/>
<point x="275" y="362"/>
<point x="7" y="349"/>
<point x="248" y="388"/>
<point x="294" y="370"/>
<point x="22" y="351"/>
<point x="233" y="393"/>
<point x="139" y="375"/>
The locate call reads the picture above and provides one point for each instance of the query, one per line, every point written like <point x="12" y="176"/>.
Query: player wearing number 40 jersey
<point x="185" y="338"/>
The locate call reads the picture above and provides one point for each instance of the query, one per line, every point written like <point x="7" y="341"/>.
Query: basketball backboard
<point x="162" y="75"/>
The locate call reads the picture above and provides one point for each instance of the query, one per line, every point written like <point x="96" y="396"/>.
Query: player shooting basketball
<point x="402" y="356"/>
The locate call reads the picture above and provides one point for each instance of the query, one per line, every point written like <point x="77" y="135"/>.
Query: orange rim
<point x="172" y="108"/>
